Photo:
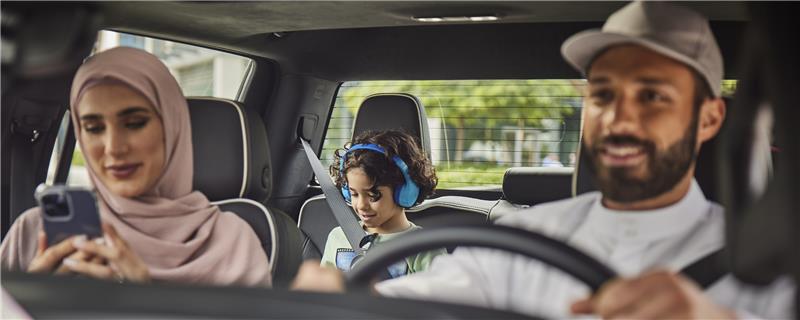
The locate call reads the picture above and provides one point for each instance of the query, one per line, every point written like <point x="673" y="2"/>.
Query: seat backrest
<point x="232" y="168"/>
<point x="533" y="185"/>
<point x="381" y="112"/>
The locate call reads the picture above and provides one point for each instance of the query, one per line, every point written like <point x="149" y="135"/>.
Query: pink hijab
<point x="176" y="231"/>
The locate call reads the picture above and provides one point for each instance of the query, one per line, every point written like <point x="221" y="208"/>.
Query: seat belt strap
<point x="708" y="270"/>
<point x="333" y="196"/>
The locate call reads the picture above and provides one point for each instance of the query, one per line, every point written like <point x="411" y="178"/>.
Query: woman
<point x="132" y="123"/>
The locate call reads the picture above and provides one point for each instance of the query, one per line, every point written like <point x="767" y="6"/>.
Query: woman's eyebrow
<point x="132" y="110"/>
<point x="91" y="117"/>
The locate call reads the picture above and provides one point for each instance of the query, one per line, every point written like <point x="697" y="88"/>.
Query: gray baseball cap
<point x="671" y="30"/>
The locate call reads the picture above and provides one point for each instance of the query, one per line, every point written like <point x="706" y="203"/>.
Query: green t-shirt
<point x="337" y="244"/>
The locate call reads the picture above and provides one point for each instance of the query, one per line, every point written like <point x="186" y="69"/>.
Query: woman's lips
<point x="123" y="171"/>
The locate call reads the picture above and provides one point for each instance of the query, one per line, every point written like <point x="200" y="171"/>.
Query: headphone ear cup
<point x="346" y="193"/>
<point x="406" y="195"/>
<point x="398" y="196"/>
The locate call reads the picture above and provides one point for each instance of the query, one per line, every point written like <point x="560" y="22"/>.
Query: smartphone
<point x="68" y="211"/>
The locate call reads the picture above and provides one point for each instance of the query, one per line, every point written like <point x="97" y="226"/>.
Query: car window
<point x="480" y="128"/>
<point x="199" y="71"/>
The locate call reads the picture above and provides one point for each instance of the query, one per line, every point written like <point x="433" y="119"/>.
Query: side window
<point x="480" y="128"/>
<point x="199" y="72"/>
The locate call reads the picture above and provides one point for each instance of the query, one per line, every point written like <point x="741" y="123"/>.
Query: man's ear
<point x="712" y="115"/>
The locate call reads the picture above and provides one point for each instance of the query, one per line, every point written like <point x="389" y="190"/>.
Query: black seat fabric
<point x="232" y="168"/>
<point x="533" y="185"/>
<point x="231" y="157"/>
<point x="381" y="112"/>
<point x="398" y="111"/>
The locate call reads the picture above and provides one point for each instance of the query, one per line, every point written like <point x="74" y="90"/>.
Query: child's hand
<point x="313" y="277"/>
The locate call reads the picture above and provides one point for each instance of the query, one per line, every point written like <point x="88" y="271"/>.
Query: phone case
<point x="68" y="211"/>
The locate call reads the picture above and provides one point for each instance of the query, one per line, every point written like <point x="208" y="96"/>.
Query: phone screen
<point x="68" y="211"/>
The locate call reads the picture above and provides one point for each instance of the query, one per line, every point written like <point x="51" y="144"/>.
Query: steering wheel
<point x="533" y="245"/>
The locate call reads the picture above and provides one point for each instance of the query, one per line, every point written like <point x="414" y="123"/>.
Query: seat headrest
<point x="533" y="185"/>
<point x="231" y="154"/>
<point x="398" y="111"/>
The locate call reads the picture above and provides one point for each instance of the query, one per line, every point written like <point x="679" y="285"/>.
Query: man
<point x="654" y="77"/>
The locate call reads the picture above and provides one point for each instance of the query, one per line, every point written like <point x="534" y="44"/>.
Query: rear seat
<point x="533" y="185"/>
<point x="524" y="187"/>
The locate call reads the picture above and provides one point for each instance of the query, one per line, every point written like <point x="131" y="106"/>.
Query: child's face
<point x="381" y="216"/>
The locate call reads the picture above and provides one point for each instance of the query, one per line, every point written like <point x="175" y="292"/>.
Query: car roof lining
<point x="344" y="41"/>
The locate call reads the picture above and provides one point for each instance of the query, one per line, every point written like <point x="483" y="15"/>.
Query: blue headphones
<point x="405" y="195"/>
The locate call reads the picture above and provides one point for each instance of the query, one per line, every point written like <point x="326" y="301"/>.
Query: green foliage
<point x="465" y="175"/>
<point x="728" y="88"/>
<point x="476" y="102"/>
<point x="77" y="158"/>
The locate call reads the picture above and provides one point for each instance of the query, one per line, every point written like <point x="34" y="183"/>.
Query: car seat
<point x="232" y="168"/>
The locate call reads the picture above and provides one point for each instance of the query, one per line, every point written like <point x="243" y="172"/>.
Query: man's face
<point x="640" y="126"/>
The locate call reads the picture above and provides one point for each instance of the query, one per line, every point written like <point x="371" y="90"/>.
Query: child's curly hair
<point x="380" y="168"/>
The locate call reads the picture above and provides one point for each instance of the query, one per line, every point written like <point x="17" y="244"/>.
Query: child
<point x="369" y="174"/>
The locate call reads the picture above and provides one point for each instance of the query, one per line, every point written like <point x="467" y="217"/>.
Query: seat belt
<point x="333" y="196"/>
<point x="708" y="270"/>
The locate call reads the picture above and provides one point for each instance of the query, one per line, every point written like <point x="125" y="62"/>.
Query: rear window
<point x="199" y="72"/>
<point x="479" y="128"/>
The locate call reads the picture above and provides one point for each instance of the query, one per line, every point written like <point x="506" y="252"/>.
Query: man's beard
<point x="664" y="168"/>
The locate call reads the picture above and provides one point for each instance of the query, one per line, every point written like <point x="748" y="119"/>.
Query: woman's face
<point x="382" y="215"/>
<point x="123" y="137"/>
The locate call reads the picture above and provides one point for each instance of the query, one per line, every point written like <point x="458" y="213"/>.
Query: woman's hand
<point x="118" y="261"/>
<point x="48" y="260"/>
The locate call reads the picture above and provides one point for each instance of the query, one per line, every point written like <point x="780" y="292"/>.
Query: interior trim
<point x="456" y="202"/>
<point x="303" y="207"/>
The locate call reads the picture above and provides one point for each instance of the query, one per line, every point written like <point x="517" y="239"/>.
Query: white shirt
<point x="629" y="242"/>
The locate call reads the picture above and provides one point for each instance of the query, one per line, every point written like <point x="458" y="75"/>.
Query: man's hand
<point x="654" y="295"/>
<point x="313" y="277"/>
